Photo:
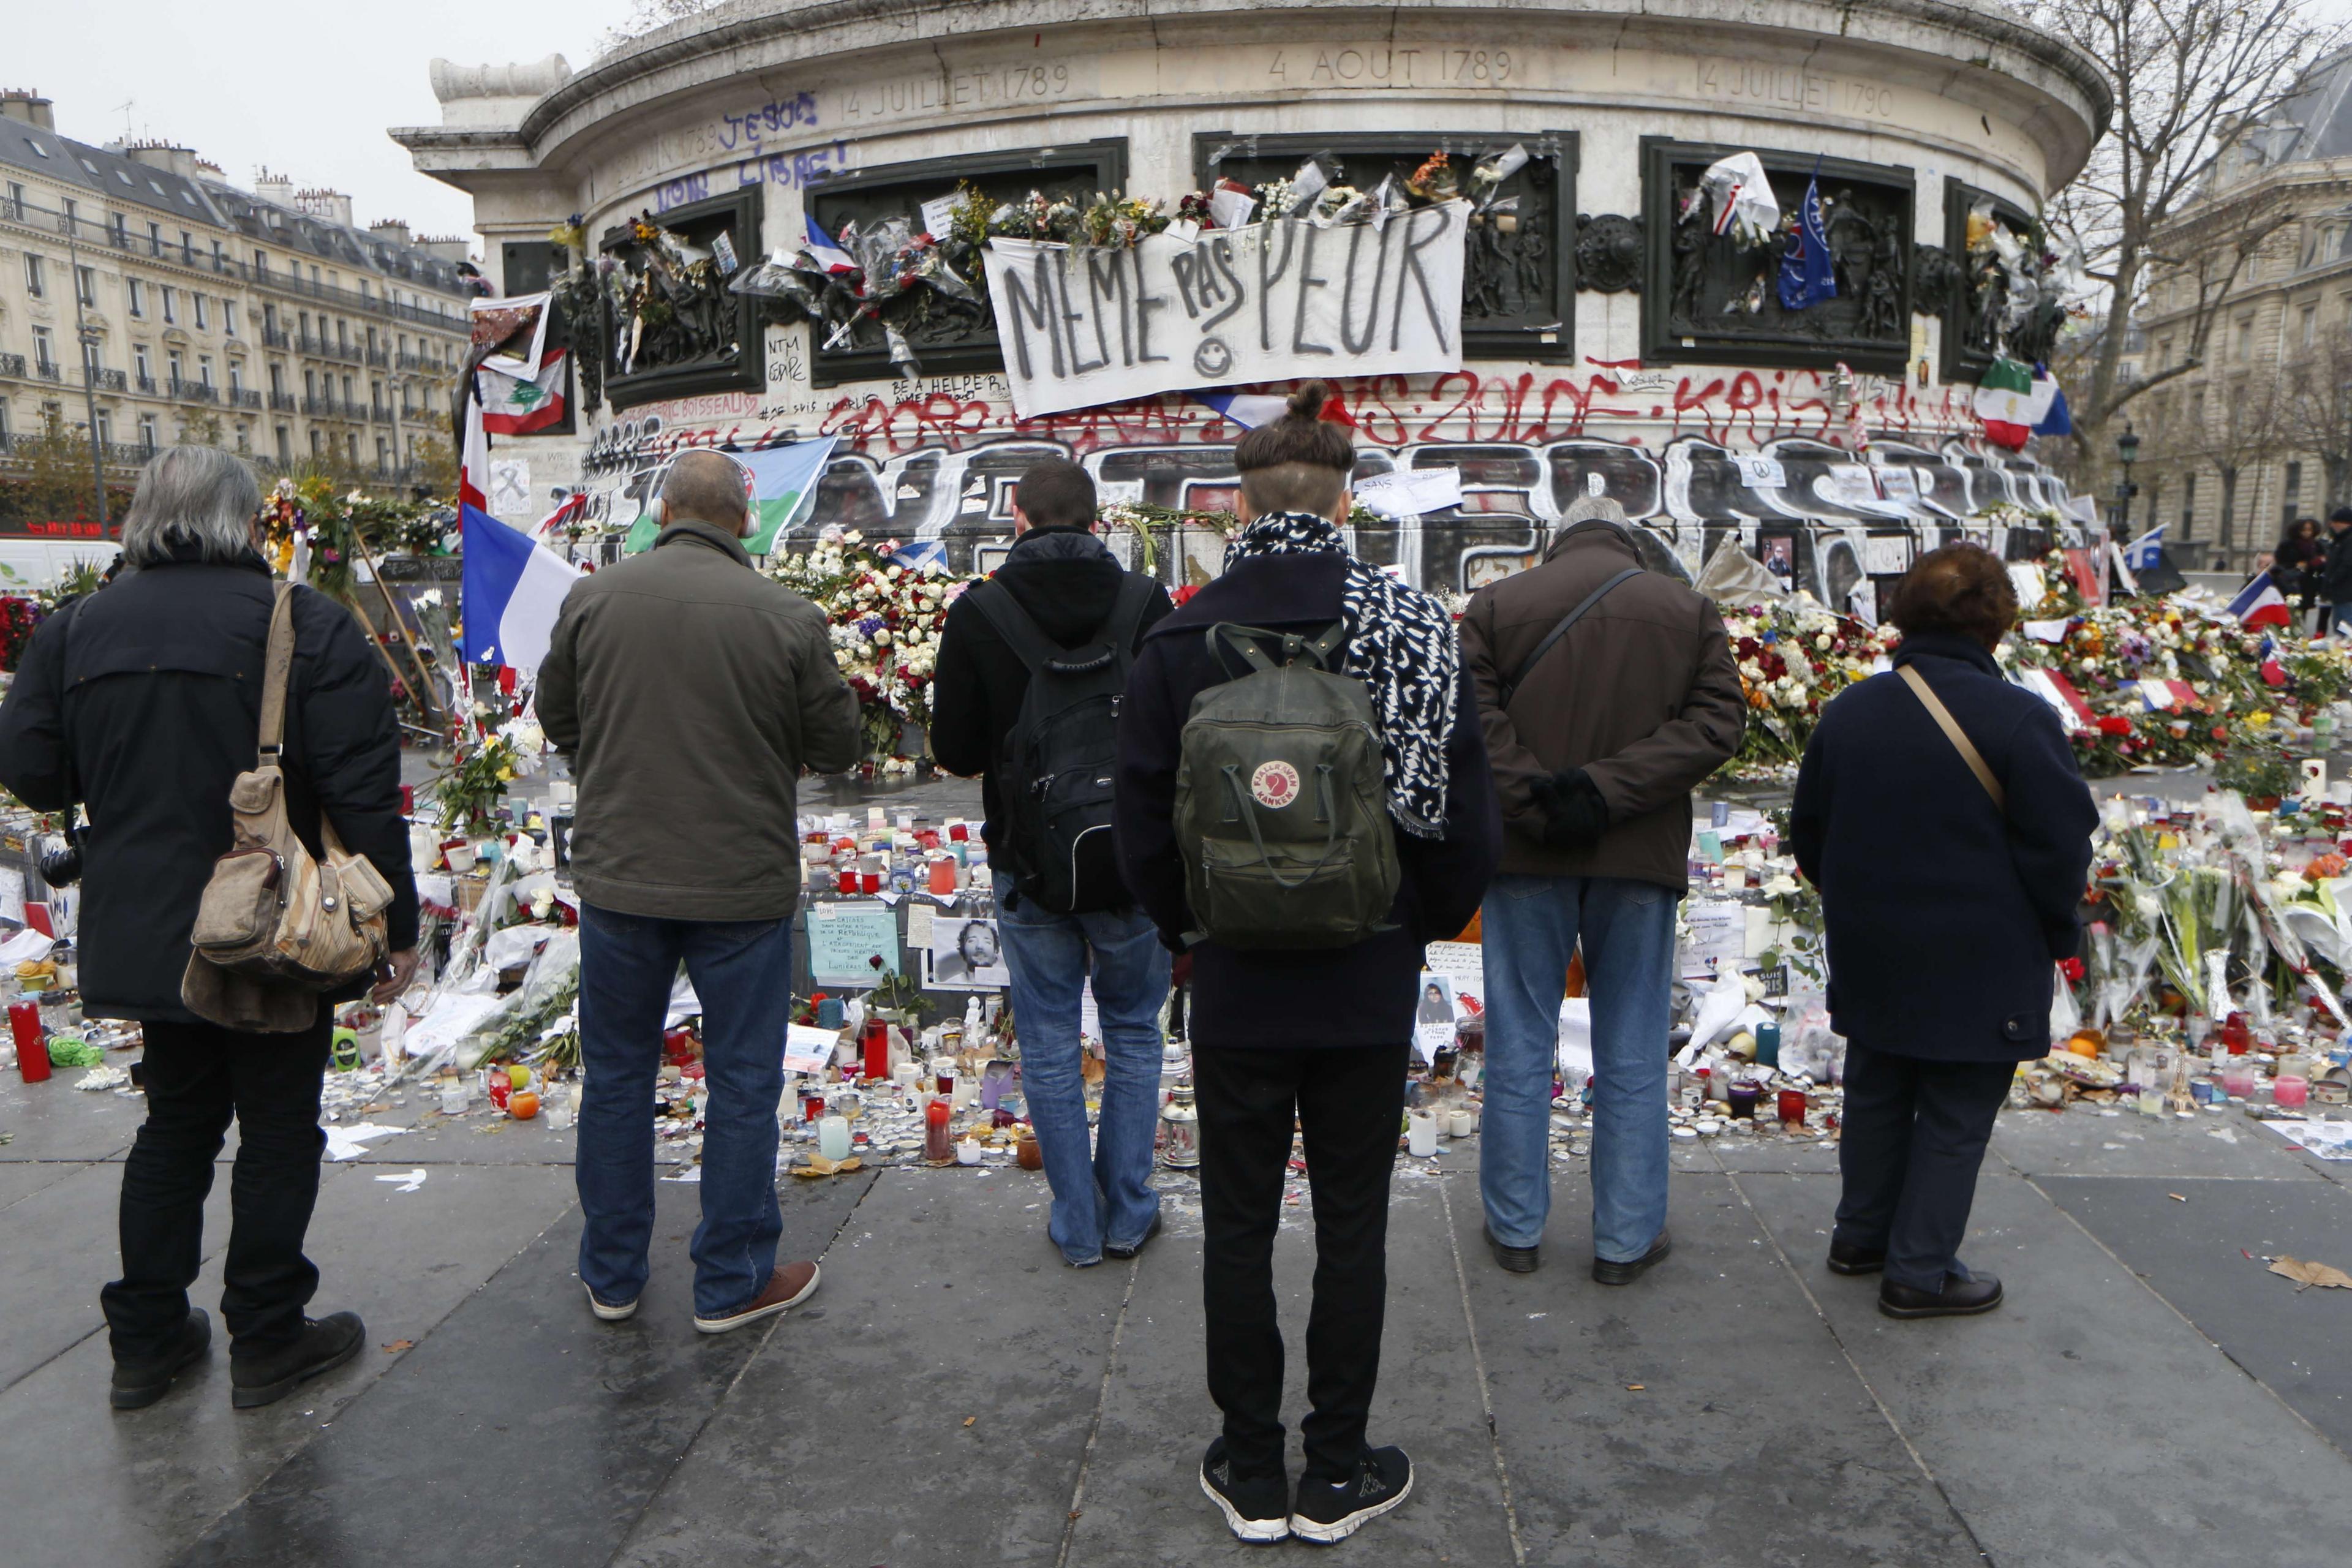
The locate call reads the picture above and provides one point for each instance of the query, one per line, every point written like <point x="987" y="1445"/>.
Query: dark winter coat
<point x="1066" y="580"/>
<point x="1359" y="995"/>
<point x="1943" y="912"/>
<point x="1642" y="695"/>
<point x="689" y="691"/>
<point x="2336" y="575"/>
<point x="153" y="684"/>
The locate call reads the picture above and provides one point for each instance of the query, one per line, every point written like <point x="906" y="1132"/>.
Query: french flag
<point x="1251" y="409"/>
<point x="829" y="255"/>
<point x="2166" y="696"/>
<point x="2273" y="672"/>
<point x="2260" y="603"/>
<point x="2054" y="689"/>
<point x="511" y="588"/>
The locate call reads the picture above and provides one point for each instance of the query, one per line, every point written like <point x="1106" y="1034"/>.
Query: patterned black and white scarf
<point x="1403" y="646"/>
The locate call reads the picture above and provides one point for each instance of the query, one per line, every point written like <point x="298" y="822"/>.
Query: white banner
<point x="1083" y="326"/>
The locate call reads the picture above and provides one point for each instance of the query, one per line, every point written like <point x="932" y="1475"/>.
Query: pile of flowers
<point x="338" y="525"/>
<point x="886" y="622"/>
<point x="1794" y="657"/>
<point x="18" y="616"/>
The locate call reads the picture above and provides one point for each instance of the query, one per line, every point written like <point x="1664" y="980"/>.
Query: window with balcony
<point x="277" y="380"/>
<point x="149" y="429"/>
<point x="188" y="249"/>
<point x="16" y="201"/>
<point x="285" y="444"/>
<point x="37" y="274"/>
<point x="146" y="372"/>
<point x="203" y="313"/>
<point x="317" y="442"/>
<point x="175" y="362"/>
<point x="138" y="297"/>
<point x="119" y="231"/>
<point x="261" y="265"/>
<point x="45" y="351"/>
<point x="105" y="428"/>
<point x="85" y="286"/>
<point x="171" y="305"/>
<point x="235" y="377"/>
<point x="154" y="239"/>
<point x="228" y="318"/>
<point x="204" y="370"/>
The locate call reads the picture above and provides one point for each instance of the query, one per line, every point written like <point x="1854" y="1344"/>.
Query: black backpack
<point x="1054" y="770"/>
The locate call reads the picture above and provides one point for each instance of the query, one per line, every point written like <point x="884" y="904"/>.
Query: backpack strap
<point x="1511" y="687"/>
<point x="1020" y="631"/>
<point x="1037" y="651"/>
<point x="1249" y="642"/>
<point x="274" y="677"/>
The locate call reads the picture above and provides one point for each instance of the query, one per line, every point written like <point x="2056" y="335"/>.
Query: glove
<point x="1575" y="814"/>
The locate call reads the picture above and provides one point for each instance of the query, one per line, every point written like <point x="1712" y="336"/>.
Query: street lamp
<point x="88" y="337"/>
<point x="2127" y="453"/>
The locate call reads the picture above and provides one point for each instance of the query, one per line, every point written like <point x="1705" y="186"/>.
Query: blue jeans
<point x="1530" y="927"/>
<point x="742" y="972"/>
<point x="1107" y="1198"/>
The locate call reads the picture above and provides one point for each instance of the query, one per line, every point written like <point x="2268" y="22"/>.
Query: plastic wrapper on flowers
<point x="1793" y="657"/>
<point x="886" y="620"/>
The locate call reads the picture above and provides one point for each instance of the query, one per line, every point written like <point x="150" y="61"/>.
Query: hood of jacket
<point x="1065" y="578"/>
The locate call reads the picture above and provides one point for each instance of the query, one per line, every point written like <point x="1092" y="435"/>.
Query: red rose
<point x="2072" y="969"/>
<point x="2114" y="724"/>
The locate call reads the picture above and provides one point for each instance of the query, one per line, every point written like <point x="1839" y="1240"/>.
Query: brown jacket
<point x="1643" y="694"/>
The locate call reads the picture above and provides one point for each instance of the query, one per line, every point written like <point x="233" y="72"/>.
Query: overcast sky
<point x="307" y="89"/>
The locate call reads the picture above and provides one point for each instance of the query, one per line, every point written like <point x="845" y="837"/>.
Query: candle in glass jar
<point x="32" y="1050"/>
<point x="939" y="1144"/>
<point x="1792" y="1108"/>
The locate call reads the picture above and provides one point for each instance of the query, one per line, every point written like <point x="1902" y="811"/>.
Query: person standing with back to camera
<point x="1307" y="955"/>
<point x="1939" y="812"/>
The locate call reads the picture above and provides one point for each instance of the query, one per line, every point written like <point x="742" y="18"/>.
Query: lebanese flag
<point x="517" y="405"/>
<point x="2005" y="403"/>
<point x="2166" y="696"/>
<point x="2260" y="603"/>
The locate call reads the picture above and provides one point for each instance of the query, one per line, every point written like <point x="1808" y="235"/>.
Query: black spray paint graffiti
<point x="1689" y="497"/>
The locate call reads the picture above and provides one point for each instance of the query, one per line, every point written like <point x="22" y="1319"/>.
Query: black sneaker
<point x="1330" y="1511"/>
<point x="271" y="1375"/>
<point x="1253" y="1507"/>
<point x="138" y="1385"/>
<point x="1124" y="1253"/>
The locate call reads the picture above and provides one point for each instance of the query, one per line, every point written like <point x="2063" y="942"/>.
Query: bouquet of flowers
<point x="885" y="623"/>
<point x="1793" y="657"/>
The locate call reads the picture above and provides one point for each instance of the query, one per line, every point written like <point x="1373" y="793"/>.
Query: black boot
<point x="138" y="1385"/>
<point x="1961" y="1297"/>
<point x="270" y="1375"/>
<point x="1846" y="1258"/>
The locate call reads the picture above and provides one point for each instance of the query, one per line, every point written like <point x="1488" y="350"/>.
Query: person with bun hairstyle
<point x="1315" y="1038"/>
<point x="1939" y="812"/>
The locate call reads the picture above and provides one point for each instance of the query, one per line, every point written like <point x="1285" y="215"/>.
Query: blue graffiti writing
<point x="678" y="191"/>
<point x="794" y="171"/>
<point x="783" y="114"/>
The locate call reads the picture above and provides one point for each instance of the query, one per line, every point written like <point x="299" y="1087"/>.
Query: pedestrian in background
<point x="1061" y="595"/>
<point x="141" y="702"/>
<point x="2298" y="560"/>
<point x="1310" y="1038"/>
<point x="2335" y="572"/>
<point x="688" y="692"/>
<point x="1939" y="812"/>
<point x="1607" y="694"/>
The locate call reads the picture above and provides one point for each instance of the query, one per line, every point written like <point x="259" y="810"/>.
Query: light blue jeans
<point x="1530" y="927"/>
<point x="1105" y="1198"/>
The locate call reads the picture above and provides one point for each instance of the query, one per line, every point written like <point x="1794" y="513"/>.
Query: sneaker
<point x="1124" y="1253"/>
<point x="138" y="1385"/>
<point x="1254" y="1509"/>
<point x="268" y="1376"/>
<point x="1334" y="1510"/>
<point x="610" y="1311"/>
<point x="789" y="1286"/>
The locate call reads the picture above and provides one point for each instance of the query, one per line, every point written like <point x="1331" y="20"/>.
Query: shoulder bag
<point x="273" y="914"/>
<point x="1954" y="733"/>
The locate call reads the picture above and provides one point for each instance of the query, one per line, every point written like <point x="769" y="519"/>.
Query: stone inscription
<point x="990" y="87"/>
<point x="1792" y="88"/>
<point x="1389" y="65"/>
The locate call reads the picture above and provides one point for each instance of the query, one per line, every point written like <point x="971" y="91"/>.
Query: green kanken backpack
<point x="1281" y="810"/>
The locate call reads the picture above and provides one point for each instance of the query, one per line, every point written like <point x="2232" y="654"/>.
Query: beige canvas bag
<point x="277" y="926"/>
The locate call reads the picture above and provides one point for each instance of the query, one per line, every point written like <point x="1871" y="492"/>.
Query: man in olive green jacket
<point x="689" y="691"/>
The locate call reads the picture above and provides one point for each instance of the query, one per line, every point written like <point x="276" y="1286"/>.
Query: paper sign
<point x="1718" y="933"/>
<point x="1081" y="326"/>
<point x="1433" y="1013"/>
<point x="844" y="939"/>
<point x="1231" y="210"/>
<point x="1575" y="1041"/>
<point x="807" y="1048"/>
<point x="966" y="951"/>
<point x="1899" y="484"/>
<point x="1409" y="492"/>
<point x="1887" y="556"/>
<point x="2052" y="632"/>
<point x="938" y="214"/>
<point x="919" y="924"/>
<point x="1759" y="473"/>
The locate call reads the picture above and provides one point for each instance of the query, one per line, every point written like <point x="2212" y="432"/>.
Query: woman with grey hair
<point x="143" y="703"/>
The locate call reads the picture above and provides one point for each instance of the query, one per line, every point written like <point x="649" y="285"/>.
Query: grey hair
<point x="1584" y="508"/>
<point x="197" y="498"/>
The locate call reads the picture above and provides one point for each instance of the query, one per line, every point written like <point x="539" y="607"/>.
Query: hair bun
<point x="1307" y="402"/>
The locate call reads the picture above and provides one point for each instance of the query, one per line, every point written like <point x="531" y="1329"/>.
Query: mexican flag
<point x="2014" y="403"/>
<point x="517" y="405"/>
<point x="786" y="478"/>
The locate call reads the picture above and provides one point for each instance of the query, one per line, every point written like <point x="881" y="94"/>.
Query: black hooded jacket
<point x="1066" y="580"/>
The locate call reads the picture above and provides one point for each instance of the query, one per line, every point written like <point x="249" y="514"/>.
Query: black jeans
<point x="1915" y="1133"/>
<point x="198" y="1075"/>
<point x="1349" y="1102"/>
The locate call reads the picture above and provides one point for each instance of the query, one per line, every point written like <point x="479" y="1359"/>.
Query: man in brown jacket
<point x="1597" y="736"/>
<point x="689" y="691"/>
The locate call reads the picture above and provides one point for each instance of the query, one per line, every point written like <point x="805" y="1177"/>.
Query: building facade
<point x="2256" y="432"/>
<point x="1609" y="343"/>
<point x="140" y="291"/>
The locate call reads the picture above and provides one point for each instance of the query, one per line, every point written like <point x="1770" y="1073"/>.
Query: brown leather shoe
<point x="789" y="1286"/>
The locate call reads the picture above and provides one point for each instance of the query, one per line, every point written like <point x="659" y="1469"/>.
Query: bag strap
<point x="1511" y="687"/>
<point x="1954" y="733"/>
<point x="278" y="667"/>
<point x="1247" y="641"/>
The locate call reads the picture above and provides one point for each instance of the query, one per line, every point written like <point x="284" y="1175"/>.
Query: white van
<point x="27" y="565"/>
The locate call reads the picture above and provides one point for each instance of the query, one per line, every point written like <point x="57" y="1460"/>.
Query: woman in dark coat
<point x="2298" y="561"/>
<point x="1945" y="909"/>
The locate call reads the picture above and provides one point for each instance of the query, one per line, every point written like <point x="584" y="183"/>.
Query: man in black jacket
<point x="1312" y="1038"/>
<point x="143" y="702"/>
<point x="2336" y="573"/>
<point x="1060" y="575"/>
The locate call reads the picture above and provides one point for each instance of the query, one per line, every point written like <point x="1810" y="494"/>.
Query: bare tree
<point x="2242" y="437"/>
<point x="2191" y="78"/>
<point x="2315" y="413"/>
